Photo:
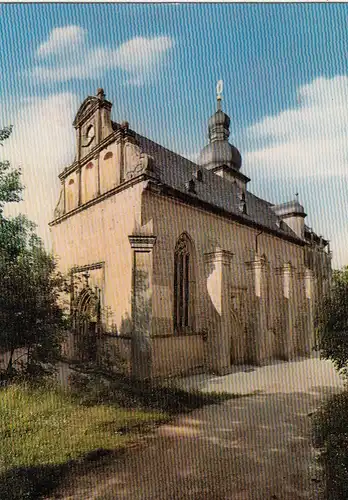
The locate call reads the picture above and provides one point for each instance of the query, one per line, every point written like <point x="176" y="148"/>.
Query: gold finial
<point x="219" y="88"/>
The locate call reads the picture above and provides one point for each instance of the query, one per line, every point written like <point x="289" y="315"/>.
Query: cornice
<point x="293" y="214"/>
<point x="115" y="136"/>
<point x="98" y="199"/>
<point x="88" y="267"/>
<point x="142" y="243"/>
<point x="84" y="117"/>
<point x="165" y="190"/>
<point x="218" y="255"/>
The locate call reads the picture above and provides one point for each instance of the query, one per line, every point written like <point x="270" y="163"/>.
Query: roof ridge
<point x="160" y="145"/>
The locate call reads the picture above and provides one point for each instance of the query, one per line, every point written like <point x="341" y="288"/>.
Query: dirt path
<point x="251" y="448"/>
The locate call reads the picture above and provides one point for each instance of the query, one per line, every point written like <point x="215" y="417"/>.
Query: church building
<point x="176" y="267"/>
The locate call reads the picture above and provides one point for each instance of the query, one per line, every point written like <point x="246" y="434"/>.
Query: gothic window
<point x="183" y="285"/>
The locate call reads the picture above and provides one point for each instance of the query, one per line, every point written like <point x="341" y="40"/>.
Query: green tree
<point x="333" y="322"/>
<point x="30" y="317"/>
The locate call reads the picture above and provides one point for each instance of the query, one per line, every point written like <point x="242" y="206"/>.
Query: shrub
<point x="330" y="427"/>
<point x="333" y="322"/>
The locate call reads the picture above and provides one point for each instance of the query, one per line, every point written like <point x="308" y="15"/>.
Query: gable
<point x="88" y="106"/>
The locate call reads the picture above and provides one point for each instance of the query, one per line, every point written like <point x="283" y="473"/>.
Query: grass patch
<point x="44" y="432"/>
<point x="48" y="434"/>
<point x="40" y="426"/>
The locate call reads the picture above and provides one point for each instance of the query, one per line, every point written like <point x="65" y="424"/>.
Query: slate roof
<point x="174" y="171"/>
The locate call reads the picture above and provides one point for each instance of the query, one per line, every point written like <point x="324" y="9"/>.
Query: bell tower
<point x="92" y="123"/>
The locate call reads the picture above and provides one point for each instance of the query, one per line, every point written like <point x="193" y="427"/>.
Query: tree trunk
<point x="10" y="361"/>
<point x="28" y="356"/>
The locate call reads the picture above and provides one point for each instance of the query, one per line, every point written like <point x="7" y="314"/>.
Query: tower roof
<point x="219" y="151"/>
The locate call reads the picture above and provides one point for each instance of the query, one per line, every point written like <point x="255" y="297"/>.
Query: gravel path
<point x="256" y="447"/>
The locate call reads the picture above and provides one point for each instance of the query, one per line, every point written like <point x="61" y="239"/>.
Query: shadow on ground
<point x="32" y="483"/>
<point x="39" y="482"/>
<point x="253" y="448"/>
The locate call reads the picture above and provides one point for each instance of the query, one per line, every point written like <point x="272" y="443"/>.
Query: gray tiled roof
<point x="174" y="171"/>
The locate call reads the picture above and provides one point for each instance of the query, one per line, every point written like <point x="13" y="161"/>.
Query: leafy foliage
<point x="95" y="385"/>
<point x="333" y="322"/>
<point x="30" y="317"/>
<point x="331" y="435"/>
<point x="10" y="179"/>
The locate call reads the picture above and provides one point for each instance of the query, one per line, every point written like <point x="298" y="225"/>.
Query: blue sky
<point x="285" y="88"/>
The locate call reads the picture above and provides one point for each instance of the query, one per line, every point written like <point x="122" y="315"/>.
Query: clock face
<point x="89" y="136"/>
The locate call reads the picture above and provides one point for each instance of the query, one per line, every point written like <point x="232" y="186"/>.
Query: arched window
<point x="183" y="285"/>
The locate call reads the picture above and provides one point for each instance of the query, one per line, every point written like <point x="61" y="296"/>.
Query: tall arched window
<point x="183" y="285"/>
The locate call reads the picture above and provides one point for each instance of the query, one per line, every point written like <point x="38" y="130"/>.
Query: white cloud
<point x="339" y="245"/>
<point x="141" y="54"/>
<point x="306" y="148"/>
<point x="42" y="144"/>
<point x="74" y="58"/>
<point x="61" y="39"/>
<point x="308" y="140"/>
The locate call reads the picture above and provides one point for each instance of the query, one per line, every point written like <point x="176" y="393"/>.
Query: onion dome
<point x="219" y="151"/>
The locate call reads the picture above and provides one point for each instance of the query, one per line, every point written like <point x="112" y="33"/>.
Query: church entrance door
<point x="87" y="321"/>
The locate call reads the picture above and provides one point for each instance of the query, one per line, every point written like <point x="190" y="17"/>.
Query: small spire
<point x="296" y="196"/>
<point x="100" y="94"/>
<point x="219" y="88"/>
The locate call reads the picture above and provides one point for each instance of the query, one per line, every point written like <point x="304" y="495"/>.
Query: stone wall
<point x="268" y="325"/>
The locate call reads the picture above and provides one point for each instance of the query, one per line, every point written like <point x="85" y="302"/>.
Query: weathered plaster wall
<point x="209" y="233"/>
<point x="100" y="234"/>
<point x="175" y="355"/>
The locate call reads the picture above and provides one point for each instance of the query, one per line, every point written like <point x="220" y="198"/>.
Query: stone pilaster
<point x="218" y="324"/>
<point x="97" y="159"/>
<point x="257" y="326"/>
<point x="79" y="186"/>
<point x="287" y="313"/>
<point x="310" y="333"/>
<point x="64" y="196"/>
<point x="142" y="247"/>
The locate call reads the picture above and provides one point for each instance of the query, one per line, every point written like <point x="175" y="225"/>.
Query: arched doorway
<point x="87" y="322"/>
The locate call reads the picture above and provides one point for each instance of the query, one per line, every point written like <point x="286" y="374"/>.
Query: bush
<point x="330" y="428"/>
<point x="333" y="322"/>
<point x="92" y="386"/>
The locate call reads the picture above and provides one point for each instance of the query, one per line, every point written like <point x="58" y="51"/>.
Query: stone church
<point x="176" y="267"/>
